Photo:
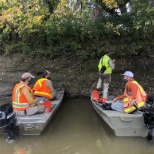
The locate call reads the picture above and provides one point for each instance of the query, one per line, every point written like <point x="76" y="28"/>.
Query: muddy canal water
<point x="76" y="129"/>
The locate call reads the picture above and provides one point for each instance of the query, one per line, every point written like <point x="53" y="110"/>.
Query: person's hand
<point x="133" y="102"/>
<point x="115" y="99"/>
<point x="36" y="100"/>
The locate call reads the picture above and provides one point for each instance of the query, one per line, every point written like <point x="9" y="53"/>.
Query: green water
<point x="76" y="129"/>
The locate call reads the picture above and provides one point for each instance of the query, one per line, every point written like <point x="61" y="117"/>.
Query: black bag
<point x="102" y="69"/>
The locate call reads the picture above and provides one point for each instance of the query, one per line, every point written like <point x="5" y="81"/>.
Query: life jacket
<point x="95" y="96"/>
<point x="140" y="99"/>
<point x="40" y="89"/>
<point x="19" y="100"/>
<point x="104" y="62"/>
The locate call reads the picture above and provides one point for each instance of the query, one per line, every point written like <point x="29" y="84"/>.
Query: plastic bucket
<point x="48" y="105"/>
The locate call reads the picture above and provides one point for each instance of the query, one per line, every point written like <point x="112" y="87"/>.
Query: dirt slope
<point x="77" y="75"/>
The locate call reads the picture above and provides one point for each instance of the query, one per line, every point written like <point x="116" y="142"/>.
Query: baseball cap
<point x="27" y="75"/>
<point x="129" y="74"/>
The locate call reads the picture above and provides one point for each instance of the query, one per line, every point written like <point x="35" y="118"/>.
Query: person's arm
<point x="118" y="98"/>
<point x="25" y="91"/>
<point x="50" y="86"/>
<point x="112" y="63"/>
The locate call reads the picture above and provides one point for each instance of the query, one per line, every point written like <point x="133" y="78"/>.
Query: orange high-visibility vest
<point x="19" y="100"/>
<point x="40" y="88"/>
<point x="140" y="99"/>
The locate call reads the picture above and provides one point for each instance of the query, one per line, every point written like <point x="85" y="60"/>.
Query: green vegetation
<point x="50" y="28"/>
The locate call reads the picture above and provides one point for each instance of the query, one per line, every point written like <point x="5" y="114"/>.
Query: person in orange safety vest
<point x="134" y="96"/>
<point x="23" y="100"/>
<point x="43" y="88"/>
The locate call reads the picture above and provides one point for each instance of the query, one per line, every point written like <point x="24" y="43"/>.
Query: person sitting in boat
<point x="23" y="99"/>
<point x="43" y="88"/>
<point x="134" y="96"/>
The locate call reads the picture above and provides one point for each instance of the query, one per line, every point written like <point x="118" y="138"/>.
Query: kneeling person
<point x="24" y="102"/>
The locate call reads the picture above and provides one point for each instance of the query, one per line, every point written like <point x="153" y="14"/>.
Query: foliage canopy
<point x="85" y="28"/>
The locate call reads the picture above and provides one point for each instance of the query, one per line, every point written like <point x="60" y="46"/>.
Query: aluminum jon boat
<point x="35" y="124"/>
<point x="122" y="124"/>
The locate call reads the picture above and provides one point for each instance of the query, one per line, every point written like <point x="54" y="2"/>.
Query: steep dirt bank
<point x="77" y="75"/>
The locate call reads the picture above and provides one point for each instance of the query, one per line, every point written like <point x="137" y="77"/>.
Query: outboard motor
<point x="7" y="121"/>
<point x="149" y="115"/>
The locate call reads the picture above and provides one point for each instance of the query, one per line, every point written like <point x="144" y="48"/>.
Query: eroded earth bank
<point x="78" y="76"/>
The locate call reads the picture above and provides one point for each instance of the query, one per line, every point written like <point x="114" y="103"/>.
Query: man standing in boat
<point x="134" y="96"/>
<point x="105" y="67"/>
<point x="23" y="99"/>
<point x="43" y="88"/>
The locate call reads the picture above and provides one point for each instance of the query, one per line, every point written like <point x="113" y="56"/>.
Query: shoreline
<point x="78" y="76"/>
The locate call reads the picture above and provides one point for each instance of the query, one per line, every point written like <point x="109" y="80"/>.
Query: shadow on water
<point x="76" y="129"/>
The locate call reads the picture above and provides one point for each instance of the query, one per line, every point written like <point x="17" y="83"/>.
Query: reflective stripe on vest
<point x="132" y="108"/>
<point x="104" y="61"/>
<point x="18" y="105"/>
<point x="39" y="93"/>
<point x="141" y="96"/>
<point x="141" y="89"/>
<point x="38" y="85"/>
<point x="42" y="90"/>
<point x="17" y="98"/>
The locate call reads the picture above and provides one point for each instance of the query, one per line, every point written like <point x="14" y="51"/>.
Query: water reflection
<point x="76" y="129"/>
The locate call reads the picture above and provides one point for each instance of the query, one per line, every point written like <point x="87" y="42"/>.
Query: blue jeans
<point x="117" y="106"/>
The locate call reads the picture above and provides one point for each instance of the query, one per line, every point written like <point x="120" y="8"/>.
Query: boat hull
<point x="122" y="124"/>
<point x="35" y="124"/>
